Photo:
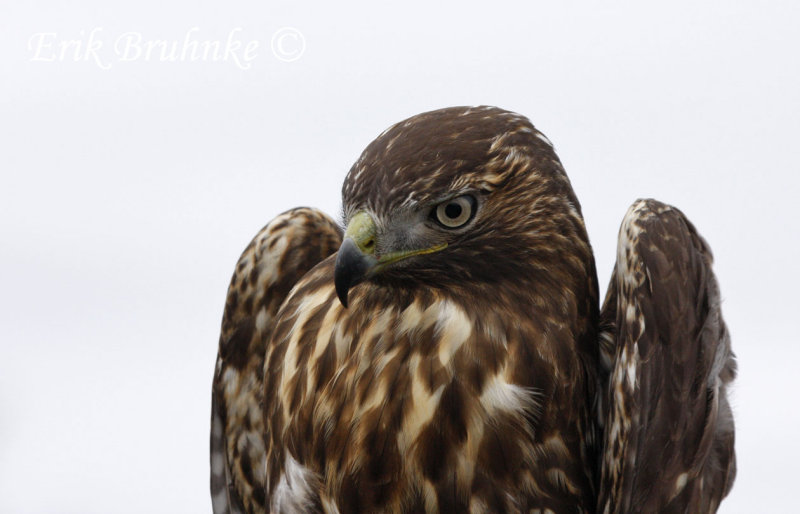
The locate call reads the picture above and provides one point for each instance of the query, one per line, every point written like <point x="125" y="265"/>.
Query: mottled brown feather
<point x="457" y="380"/>
<point x="669" y="433"/>
<point x="282" y="252"/>
<point x="481" y="377"/>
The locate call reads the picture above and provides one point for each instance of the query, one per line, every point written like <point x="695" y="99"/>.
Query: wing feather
<point x="668" y="427"/>
<point x="277" y="257"/>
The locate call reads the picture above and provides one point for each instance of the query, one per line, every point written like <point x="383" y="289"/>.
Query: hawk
<point x="446" y="351"/>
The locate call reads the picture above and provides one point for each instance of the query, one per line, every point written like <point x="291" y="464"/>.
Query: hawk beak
<point x="356" y="257"/>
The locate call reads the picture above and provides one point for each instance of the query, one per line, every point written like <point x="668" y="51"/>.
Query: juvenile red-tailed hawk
<point x="451" y="355"/>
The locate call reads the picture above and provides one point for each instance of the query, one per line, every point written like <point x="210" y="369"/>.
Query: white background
<point x="127" y="195"/>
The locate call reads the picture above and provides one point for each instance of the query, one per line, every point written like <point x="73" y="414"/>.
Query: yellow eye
<point x="456" y="212"/>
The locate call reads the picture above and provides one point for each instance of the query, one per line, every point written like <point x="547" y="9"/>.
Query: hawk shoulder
<point x="668" y="429"/>
<point x="277" y="257"/>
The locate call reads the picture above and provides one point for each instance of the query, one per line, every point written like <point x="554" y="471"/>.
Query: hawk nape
<point x="452" y="357"/>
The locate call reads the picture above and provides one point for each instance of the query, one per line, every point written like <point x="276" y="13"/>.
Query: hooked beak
<point x="357" y="260"/>
<point x="356" y="257"/>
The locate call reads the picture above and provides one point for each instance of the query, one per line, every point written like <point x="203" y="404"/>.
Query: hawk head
<point x="458" y="197"/>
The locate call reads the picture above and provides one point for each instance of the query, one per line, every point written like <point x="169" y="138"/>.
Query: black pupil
<point x="452" y="211"/>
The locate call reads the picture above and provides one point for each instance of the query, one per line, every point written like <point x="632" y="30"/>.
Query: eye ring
<point x="456" y="212"/>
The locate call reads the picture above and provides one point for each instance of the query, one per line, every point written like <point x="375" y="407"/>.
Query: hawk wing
<point x="277" y="257"/>
<point x="668" y="428"/>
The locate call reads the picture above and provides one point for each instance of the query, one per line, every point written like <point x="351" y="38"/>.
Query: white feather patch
<point x="454" y="328"/>
<point x="296" y="488"/>
<point x="500" y="395"/>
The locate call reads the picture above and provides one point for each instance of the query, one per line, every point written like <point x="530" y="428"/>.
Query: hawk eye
<point x="456" y="212"/>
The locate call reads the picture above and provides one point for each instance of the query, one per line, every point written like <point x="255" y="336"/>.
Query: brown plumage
<point x="451" y="356"/>
<point x="669" y="434"/>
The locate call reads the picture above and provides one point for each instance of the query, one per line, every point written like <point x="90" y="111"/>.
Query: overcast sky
<point x="134" y="173"/>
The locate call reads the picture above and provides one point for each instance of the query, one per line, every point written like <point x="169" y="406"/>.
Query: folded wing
<point x="668" y="433"/>
<point x="277" y="257"/>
